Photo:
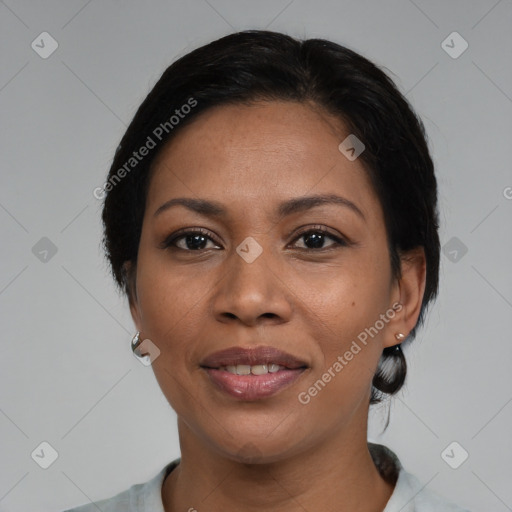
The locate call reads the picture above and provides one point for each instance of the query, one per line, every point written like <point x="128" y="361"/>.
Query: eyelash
<point x="172" y="239"/>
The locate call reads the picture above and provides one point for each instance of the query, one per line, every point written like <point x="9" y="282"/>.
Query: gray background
<point x="68" y="376"/>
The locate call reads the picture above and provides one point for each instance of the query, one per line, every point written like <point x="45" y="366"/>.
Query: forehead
<point x="252" y="155"/>
<point x="263" y="128"/>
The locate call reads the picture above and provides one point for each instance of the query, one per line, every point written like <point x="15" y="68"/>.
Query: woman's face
<point x="252" y="278"/>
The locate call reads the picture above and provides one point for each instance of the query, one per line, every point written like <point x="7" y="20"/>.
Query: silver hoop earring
<point x="136" y="341"/>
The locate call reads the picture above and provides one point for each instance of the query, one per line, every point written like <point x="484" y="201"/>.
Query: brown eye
<point x="191" y="240"/>
<point x="314" y="239"/>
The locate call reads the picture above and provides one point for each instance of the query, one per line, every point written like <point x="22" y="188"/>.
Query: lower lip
<point x="253" y="387"/>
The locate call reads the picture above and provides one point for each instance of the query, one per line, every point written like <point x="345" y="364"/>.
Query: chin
<point x="258" y="447"/>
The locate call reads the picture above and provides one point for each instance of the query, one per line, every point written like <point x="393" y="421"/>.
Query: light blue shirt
<point x="409" y="494"/>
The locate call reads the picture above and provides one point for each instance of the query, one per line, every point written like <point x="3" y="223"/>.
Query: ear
<point x="130" y="284"/>
<point x="408" y="295"/>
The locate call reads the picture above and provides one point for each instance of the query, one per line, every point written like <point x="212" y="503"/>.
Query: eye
<point x="192" y="240"/>
<point x="316" y="236"/>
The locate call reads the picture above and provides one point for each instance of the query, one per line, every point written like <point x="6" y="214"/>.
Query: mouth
<point x="252" y="374"/>
<point x="262" y="359"/>
<point x="255" y="369"/>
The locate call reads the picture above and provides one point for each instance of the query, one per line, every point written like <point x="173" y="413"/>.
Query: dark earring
<point x="391" y="370"/>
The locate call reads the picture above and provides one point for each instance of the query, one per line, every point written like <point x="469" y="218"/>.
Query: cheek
<point x="344" y="308"/>
<point x="167" y="298"/>
<point x="346" y="296"/>
<point x="170" y="304"/>
<point x="348" y="354"/>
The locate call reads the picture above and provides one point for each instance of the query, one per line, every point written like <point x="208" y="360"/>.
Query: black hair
<point x="256" y="65"/>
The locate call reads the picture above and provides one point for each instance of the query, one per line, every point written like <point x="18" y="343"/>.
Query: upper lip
<point x="251" y="356"/>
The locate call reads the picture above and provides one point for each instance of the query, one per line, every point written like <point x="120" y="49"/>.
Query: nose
<point x="252" y="292"/>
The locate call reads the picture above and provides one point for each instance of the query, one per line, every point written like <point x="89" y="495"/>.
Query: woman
<point x="271" y="215"/>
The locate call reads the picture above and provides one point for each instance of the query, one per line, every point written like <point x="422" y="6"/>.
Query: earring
<point x="391" y="371"/>
<point x="399" y="336"/>
<point x="136" y="341"/>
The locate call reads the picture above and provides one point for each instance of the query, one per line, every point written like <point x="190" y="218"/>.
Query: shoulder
<point x="409" y="495"/>
<point x="140" y="497"/>
<point x="413" y="496"/>
<point x="119" y="503"/>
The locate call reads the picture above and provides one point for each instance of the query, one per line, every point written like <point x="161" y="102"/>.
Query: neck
<point x="337" y="475"/>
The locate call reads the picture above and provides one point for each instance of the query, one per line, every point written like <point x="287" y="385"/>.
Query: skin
<point x="276" y="453"/>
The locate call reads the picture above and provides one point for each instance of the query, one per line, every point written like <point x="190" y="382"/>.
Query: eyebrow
<point x="295" y="205"/>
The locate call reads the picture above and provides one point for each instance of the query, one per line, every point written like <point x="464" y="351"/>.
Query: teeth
<point x="272" y="368"/>
<point x="257" y="369"/>
<point x="243" y="369"/>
